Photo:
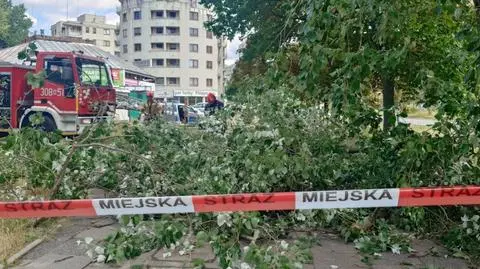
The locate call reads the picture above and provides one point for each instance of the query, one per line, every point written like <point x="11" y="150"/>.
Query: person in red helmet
<point x="151" y="109"/>
<point x="212" y="104"/>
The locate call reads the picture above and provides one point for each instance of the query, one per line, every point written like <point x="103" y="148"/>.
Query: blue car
<point x="176" y="112"/>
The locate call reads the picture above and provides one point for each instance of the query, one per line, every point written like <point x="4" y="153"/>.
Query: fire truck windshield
<point x="93" y="73"/>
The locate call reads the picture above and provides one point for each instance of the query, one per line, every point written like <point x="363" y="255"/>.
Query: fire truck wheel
<point x="48" y="124"/>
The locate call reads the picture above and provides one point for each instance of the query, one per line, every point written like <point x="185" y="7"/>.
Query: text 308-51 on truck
<point x="77" y="91"/>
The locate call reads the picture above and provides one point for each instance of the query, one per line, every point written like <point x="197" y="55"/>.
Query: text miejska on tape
<point x="327" y="199"/>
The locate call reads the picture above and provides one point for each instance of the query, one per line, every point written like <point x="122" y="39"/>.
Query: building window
<point x="106" y="31"/>
<point x="157" y="30"/>
<point x="209" y="17"/>
<point x="194" y="82"/>
<point x="209" y="65"/>
<point x="193" y="3"/>
<point x="173" y="14"/>
<point x="172" y="30"/>
<point x="173" y="46"/>
<point x="94" y="30"/>
<point x="173" y="81"/>
<point x="117" y="53"/>
<point x="124" y="17"/>
<point x="157" y="14"/>
<point x="137" y="60"/>
<point x="160" y="81"/>
<point x="193" y="63"/>
<point x="137" y="31"/>
<point x="193" y="31"/>
<point x="157" y="46"/>
<point x="138" y="47"/>
<point x="209" y="82"/>
<point x="124" y="31"/>
<point x="87" y="30"/>
<point x="158" y="62"/>
<point x="209" y="49"/>
<point x="193" y="16"/>
<point x="193" y="47"/>
<point x="106" y="43"/>
<point x="125" y="48"/>
<point x="209" y="35"/>
<point x="173" y="62"/>
<point x="137" y="15"/>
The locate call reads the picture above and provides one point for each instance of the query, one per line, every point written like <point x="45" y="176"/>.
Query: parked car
<point x="176" y="112"/>
<point x="200" y="106"/>
<point x="199" y="112"/>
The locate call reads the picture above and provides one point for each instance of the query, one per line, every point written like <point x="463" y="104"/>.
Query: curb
<point x="22" y="252"/>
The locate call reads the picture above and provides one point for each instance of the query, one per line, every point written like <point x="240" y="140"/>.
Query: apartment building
<point x="167" y="38"/>
<point x="89" y="27"/>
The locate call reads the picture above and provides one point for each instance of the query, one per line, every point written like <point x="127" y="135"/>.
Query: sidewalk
<point x="62" y="252"/>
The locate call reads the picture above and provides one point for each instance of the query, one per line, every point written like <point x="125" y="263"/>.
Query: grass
<point x="14" y="235"/>
<point x="421" y="128"/>
<point x="414" y="112"/>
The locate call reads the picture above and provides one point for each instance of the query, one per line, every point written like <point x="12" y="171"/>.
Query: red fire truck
<point x="76" y="92"/>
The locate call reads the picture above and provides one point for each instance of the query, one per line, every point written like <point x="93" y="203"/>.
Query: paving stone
<point x="104" y="222"/>
<point x="185" y="261"/>
<point x="95" y="265"/>
<point x="98" y="234"/>
<point x="55" y="261"/>
<point x="143" y="259"/>
<point x="96" y="194"/>
<point x="390" y="260"/>
<point x="443" y="263"/>
<point x="170" y="264"/>
<point x="205" y="253"/>
<point x="324" y="257"/>
<point x="426" y="247"/>
<point x="69" y="247"/>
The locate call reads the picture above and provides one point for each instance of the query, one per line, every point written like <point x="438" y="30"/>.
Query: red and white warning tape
<point x="402" y="197"/>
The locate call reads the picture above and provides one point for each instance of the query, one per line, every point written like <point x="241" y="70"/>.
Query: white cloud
<point x="74" y="4"/>
<point x="232" y="49"/>
<point x="230" y="61"/>
<point x="33" y="19"/>
<point x="112" y="18"/>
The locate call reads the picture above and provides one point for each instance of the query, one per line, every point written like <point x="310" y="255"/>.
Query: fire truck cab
<point x="76" y="92"/>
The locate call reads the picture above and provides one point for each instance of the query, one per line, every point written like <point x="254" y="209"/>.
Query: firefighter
<point x="212" y="104"/>
<point x="152" y="109"/>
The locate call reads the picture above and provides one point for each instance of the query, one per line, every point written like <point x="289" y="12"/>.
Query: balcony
<point x="141" y="64"/>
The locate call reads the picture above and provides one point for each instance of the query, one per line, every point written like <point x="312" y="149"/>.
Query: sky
<point x="44" y="13"/>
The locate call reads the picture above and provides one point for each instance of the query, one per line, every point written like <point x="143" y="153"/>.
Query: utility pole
<point x="67" y="10"/>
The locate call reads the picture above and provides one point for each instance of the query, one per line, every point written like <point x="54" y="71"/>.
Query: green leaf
<point x="32" y="46"/>
<point x="120" y="254"/>
<point x="22" y="55"/>
<point x="202" y="237"/>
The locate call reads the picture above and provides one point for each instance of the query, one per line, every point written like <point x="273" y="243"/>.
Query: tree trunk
<point x="476" y="4"/>
<point x="388" y="103"/>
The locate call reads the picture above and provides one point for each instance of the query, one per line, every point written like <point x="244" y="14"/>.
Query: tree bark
<point x="476" y="4"/>
<point x="388" y="103"/>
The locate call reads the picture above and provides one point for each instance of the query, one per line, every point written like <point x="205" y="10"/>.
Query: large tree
<point x="14" y="23"/>
<point x="350" y="49"/>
